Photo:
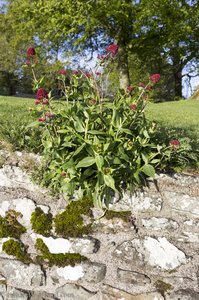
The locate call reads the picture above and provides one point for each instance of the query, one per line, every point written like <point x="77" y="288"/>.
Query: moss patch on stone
<point x="124" y="215"/>
<point x="18" y="249"/>
<point x="9" y="225"/>
<point x="41" y="222"/>
<point x="163" y="287"/>
<point x="60" y="259"/>
<point x="70" y="223"/>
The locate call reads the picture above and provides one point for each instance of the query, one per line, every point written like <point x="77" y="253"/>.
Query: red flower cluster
<point x="62" y="72"/>
<point x="49" y="115"/>
<point x="41" y="120"/>
<point x="88" y="75"/>
<point x="92" y="102"/>
<point x="41" y="94"/>
<point x="75" y="72"/>
<point x="103" y="57"/>
<point x="141" y="85"/>
<point x="41" y="97"/>
<point x="155" y="78"/>
<point x="113" y="49"/>
<point x="174" y="143"/>
<point x="129" y="89"/>
<point x="133" y="106"/>
<point x="31" y="52"/>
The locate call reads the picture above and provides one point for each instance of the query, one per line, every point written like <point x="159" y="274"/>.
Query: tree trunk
<point x="178" y="84"/>
<point x="123" y="67"/>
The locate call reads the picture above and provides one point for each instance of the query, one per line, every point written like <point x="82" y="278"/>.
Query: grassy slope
<point x="182" y="115"/>
<point x="13" y="109"/>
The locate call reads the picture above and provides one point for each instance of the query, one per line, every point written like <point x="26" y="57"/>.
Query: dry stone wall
<point x="152" y="255"/>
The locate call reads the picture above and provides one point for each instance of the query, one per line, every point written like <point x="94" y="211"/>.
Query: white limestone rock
<point x="20" y="275"/>
<point x="159" y="223"/>
<point x="161" y="253"/>
<point x="71" y="273"/>
<point x="72" y="245"/>
<point x="183" y="203"/>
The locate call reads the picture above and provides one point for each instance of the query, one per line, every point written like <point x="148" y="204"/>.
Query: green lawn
<point x="180" y="118"/>
<point x="14" y="109"/>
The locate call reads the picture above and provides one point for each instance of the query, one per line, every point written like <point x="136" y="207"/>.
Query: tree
<point x="136" y="26"/>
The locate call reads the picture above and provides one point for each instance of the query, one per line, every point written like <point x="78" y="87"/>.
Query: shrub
<point x="96" y="145"/>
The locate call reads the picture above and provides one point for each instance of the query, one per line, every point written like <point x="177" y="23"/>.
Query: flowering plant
<point x="95" y="145"/>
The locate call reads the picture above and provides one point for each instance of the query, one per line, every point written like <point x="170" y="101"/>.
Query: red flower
<point x="41" y="119"/>
<point x="88" y="75"/>
<point x="141" y="85"/>
<point x="149" y="88"/>
<point x="37" y="102"/>
<point x="62" y="72"/>
<point x="41" y="94"/>
<point x="63" y="174"/>
<point x="45" y="102"/>
<point x="129" y="89"/>
<point x="174" y="143"/>
<point x="49" y="114"/>
<point x="75" y="72"/>
<point x="98" y="73"/>
<point x="31" y="52"/>
<point x="113" y="49"/>
<point x="155" y="78"/>
<point x="92" y="102"/>
<point x="133" y="107"/>
<point x="103" y="57"/>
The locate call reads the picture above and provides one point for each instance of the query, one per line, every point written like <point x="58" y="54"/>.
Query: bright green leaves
<point x="149" y="170"/>
<point x="86" y="162"/>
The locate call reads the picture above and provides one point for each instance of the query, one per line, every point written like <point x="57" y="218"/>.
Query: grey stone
<point x="83" y="246"/>
<point x="19" y="274"/>
<point x="159" y="223"/>
<point x="131" y="277"/>
<point x="159" y="253"/>
<point x="14" y="177"/>
<point x="110" y="293"/>
<point x="187" y="294"/>
<point x="42" y="296"/>
<point x="140" y="202"/>
<point x="188" y="237"/>
<point x="15" y="294"/>
<point x="94" y="272"/>
<point x="127" y="253"/>
<point x="73" y="292"/>
<point x="183" y="203"/>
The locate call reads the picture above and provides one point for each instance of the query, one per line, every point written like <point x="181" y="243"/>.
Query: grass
<point x="175" y="120"/>
<point x="14" y="116"/>
<point x="182" y="117"/>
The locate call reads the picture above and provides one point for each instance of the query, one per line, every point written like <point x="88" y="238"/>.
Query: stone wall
<point x="152" y="255"/>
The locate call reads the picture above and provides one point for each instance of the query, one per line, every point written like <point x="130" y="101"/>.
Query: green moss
<point x="124" y="215"/>
<point x="163" y="287"/>
<point x="70" y="223"/>
<point x="10" y="227"/>
<point x="60" y="259"/>
<point x="41" y="222"/>
<point x="18" y="249"/>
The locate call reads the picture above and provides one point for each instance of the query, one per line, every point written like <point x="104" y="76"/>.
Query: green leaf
<point x="99" y="161"/>
<point x="96" y="132"/>
<point x="149" y="170"/>
<point x="78" y="150"/>
<point x="86" y="162"/>
<point x="78" y="125"/>
<point x="109" y="181"/>
<point x="33" y="124"/>
<point x="47" y="144"/>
